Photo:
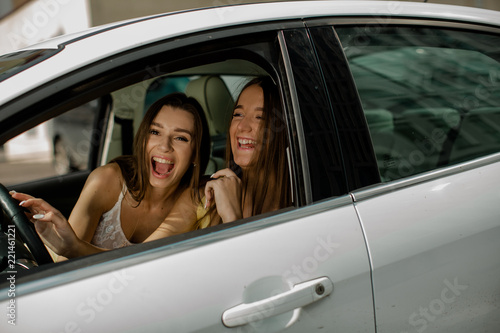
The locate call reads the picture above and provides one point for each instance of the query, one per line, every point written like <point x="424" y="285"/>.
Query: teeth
<point x="161" y="160"/>
<point x="246" y="142"/>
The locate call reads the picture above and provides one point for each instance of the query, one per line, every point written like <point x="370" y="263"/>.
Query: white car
<point x="393" y="115"/>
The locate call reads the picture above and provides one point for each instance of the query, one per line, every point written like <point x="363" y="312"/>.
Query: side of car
<point x="371" y="247"/>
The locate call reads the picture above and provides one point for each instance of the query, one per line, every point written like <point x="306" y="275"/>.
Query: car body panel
<point x="432" y="267"/>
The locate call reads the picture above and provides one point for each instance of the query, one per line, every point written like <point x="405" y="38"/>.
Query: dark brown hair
<point x="135" y="168"/>
<point x="270" y="167"/>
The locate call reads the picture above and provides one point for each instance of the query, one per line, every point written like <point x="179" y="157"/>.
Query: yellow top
<point x="202" y="218"/>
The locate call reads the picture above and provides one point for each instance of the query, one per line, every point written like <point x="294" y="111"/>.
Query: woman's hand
<point x="225" y="192"/>
<point x="53" y="228"/>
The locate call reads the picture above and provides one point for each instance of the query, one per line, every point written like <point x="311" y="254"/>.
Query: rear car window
<point x="431" y="97"/>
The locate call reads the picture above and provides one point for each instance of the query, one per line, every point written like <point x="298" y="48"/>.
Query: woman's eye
<point x="154" y="132"/>
<point x="181" y="138"/>
<point x="237" y="114"/>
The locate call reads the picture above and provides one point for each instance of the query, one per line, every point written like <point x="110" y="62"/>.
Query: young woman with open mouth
<point x="149" y="195"/>
<point x="257" y="179"/>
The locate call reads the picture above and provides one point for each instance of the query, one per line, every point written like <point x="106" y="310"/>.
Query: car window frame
<point x="322" y="158"/>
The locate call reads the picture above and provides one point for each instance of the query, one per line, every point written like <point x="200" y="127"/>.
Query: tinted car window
<point x="430" y="96"/>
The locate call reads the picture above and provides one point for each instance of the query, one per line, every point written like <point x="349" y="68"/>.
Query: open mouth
<point x="246" y="143"/>
<point x="161" y="166"/>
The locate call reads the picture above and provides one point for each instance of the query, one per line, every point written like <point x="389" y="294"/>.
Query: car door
<point x="301" y="269"/>
<point x="429" y="94"/>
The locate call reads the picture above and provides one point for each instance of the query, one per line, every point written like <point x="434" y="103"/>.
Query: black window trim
<point x="358" y="155"/>
<point x="326" y="172"/>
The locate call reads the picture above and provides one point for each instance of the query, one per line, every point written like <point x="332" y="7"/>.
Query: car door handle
<point x="300" y="295"/>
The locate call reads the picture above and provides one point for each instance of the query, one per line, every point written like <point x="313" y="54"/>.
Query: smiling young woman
<point x="151" y="194"/>
<point x="257" y="178"/>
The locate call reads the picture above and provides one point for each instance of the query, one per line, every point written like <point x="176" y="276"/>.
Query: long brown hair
<point x="135" y="168"/>
<point x="270" y="165"/>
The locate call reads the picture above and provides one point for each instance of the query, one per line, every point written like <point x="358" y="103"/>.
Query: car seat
<point x="213" y="95"/>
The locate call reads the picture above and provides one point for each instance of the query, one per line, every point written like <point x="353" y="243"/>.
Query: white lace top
<point x="109" y="233"/>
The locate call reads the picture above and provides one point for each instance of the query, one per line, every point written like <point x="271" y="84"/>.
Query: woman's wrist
<point x="74" y="249"/>
<point x="230" y="217"/>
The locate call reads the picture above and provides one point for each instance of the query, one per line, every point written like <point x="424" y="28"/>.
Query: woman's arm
<point x="71" y="239"/>
<point x="53" y="228"/>
<point x="99" y="194"/>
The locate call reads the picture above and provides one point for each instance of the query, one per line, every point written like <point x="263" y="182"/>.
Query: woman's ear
<point x="195" y="159"/>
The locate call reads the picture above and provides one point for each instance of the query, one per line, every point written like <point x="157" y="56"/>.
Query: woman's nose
<point x="244" y="124"/>
<point x="166" y="145"/>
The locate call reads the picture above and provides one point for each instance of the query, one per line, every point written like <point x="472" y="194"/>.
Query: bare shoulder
<point x="99" y="195"/>
<point x="186" y="199"/>
<point x="104" y="184"/>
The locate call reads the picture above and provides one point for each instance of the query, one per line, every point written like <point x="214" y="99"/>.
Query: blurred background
<point x="25" y="22"/>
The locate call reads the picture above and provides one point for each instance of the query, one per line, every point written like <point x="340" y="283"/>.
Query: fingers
<point x="37" y="204"/>
<point x="224" y="190"/>
<point x="39" y="210"/>
<point x="44" y="216"/>
<point x="209" y="194"/>
<point x="223" y="173"/>
<point x="209" y="187"/>
<point x="20" y="196"/>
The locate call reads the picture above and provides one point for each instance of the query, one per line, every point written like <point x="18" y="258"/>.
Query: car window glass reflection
<point x="430" y="96"/>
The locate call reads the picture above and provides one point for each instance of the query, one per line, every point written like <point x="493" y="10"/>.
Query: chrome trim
<point x="369" y="252"/>
<point x="374" y="20"/>
<point x="26" y="263"/>
<point x="380" y="189"/>
<point x="298" y="120"/>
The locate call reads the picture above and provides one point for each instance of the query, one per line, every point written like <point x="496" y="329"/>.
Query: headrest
<point x="212" y="93"/>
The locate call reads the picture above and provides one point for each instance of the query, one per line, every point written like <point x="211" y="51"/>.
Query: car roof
<point x="73" y="49"/>
<point x="272" y="11"/>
